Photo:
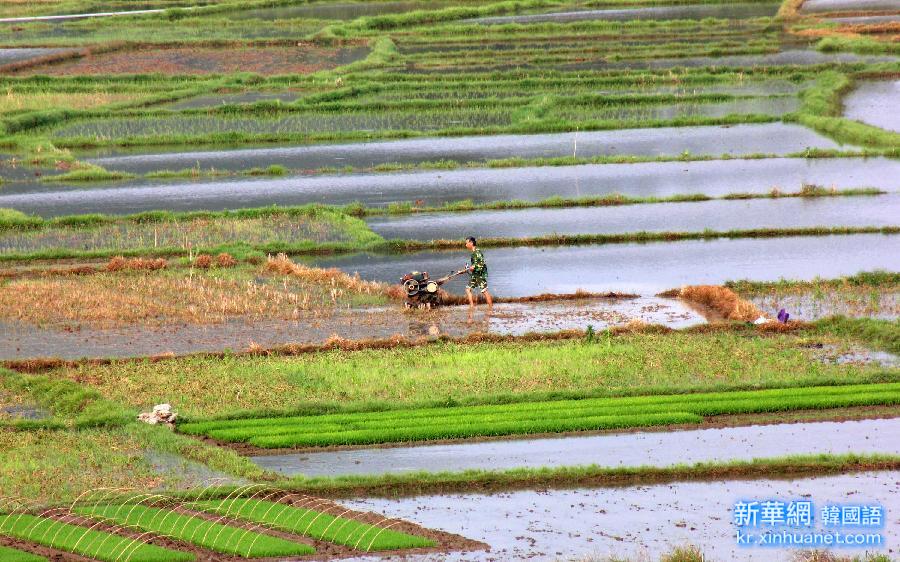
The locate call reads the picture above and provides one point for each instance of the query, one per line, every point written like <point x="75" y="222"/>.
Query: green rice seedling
<point x="196" y="530"/>
<point x="86" y="542"/>
<point x="13" y="555"/>
<point x="315" y="524"/>
<point x="535" y="417"/>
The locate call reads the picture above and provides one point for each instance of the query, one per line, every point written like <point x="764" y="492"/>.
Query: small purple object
<point x="783" y="316"/>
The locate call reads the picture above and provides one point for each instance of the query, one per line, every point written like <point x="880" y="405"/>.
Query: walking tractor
<point x="423" y="291"/>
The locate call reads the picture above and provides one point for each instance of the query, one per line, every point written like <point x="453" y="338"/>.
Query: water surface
<point x="720" y="216"/>
<point x="876" y="103"/>
<point x="659" y="449"/>
<point x="769" y="138"/>
<point x="644" y="268"/>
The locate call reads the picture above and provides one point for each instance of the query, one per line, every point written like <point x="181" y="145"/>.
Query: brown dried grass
<point x="721" y="300"/>
<point x="225" y="260"/>
<point x="337" y="279"/>
<point x="120" y="263"/>
<point x="790" y="9"/>
<point x="106" y="300"/>
<point x="203" y="261"/>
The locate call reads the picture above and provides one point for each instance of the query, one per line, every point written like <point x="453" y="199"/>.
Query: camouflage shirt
<point x="479" y="268"/>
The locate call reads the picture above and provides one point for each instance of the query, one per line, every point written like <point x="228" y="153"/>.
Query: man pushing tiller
<point x="424" y="292"/>
<point x="478" y="271"/>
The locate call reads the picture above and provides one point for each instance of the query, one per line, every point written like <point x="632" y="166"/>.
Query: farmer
<point x="478" y="271"/>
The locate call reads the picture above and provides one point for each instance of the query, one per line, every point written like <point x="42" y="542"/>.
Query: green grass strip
<point x="13" y="555"/>
<point x="536" y="417"/>
<point x="192" y="529"/>
<point x="86" y="542"/>
<point x="315" y="524"/>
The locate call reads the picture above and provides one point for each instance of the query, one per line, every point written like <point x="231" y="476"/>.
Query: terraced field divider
<point x="425" y="424"/>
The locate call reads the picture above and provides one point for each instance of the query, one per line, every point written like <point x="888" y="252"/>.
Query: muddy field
<point x="635" y="522"/>
<point x="302" y="59"/>
<point x="26" y="340"/>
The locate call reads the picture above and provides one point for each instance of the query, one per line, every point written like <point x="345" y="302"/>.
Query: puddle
<point x="191" y="475"/>
<point x="633" y="523"/>
<point x="241" y="98"/>
<point x="700" y="11"/>
<point x="875" y="103"/>
<point x="644" y="268"/>
<point x="799" y="57"/>
<point x="20" y="411"/>
<point x="666" y="217"/>
<point x="337" y="11"/>
<point x="848" y="5"/>
<point x="659" y="449"/>
<point x="714" y="178"/>
<point x="770" y="138"/>
<point x="812" y="306"/>
<point x="23" y="341"/>
<point x="856" y="356"/>
<point x="8" y="56"/>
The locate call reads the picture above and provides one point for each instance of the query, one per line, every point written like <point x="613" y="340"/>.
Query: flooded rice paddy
<point x="25" y="341"/>
<point x="338" y="10"/>
<point x="214" y="100"/>
<point x="201" y="233"/>
<point x="635" y="523"/>
<point x="720" y="216"/>
<point x="814" y="304"/>
<point x="875" y="103"/>
<point x="867" y="20"/>
<point x="658" y="449"/>
<point x="686" y="12"/>
<point x="770" y="138"/>
<point x="643" y="268"/>
<point x="763" y="105"/>
<point x="790" y="57"/>
<point x="309" y="123"/>
<point x="714" y="178"/>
